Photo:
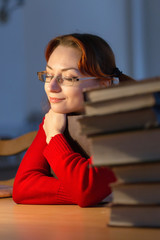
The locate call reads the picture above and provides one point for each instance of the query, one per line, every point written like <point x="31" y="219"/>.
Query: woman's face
<point x="63" y="62"/>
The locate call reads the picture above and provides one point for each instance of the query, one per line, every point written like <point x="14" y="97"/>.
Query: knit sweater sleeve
<point x="86" y="184"/>
<point x="34" y="183"/>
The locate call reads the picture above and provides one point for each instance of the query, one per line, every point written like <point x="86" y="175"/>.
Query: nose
<point x="54" y="86"/>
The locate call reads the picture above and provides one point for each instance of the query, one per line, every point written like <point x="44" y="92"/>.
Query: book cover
<point x="134" y="194"/>
<point x="129" y="120"/>
<point x="126" y="147"/>
<point x="138" y="173"/>
<point x="123" y="104"/>
<point x="135" y="216"/>
<point x="122" y="90"/>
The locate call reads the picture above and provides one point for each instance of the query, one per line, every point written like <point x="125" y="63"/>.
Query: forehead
<point x="65" y="57"/>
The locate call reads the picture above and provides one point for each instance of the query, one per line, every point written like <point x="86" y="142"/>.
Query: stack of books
<point x="122" y="124"/>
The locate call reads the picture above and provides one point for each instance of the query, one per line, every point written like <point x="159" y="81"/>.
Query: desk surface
<point x="67" y="222"/>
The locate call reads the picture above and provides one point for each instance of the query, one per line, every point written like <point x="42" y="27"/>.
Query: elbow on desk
<point x="15" y="198"/>
<point x="91" y="195"/>
<point x="90" y="200"/>
<point x="87" y="202"/>
<point x="84" y="204"/>
<point x="16" y="195"/>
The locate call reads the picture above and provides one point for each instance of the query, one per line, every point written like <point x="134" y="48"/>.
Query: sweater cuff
<point x="58" y="146"/>
<point x="63" y="197"/>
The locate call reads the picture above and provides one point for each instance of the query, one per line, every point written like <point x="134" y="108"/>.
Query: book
<point x="122" y="104"/>
<point x="138" y="173"/>
<point x="135" y="216"/>
<point x="108" y="123"/>
<point x="122" y="90"/>
<point x="122" y="126"/>
<point x="136" y="193"/>
<point x="125" y="147"/>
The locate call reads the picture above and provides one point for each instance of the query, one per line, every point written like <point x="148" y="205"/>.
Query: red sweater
<point x="77" y="182"/>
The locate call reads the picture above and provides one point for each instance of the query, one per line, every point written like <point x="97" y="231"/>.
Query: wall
<point x="152" y="38"/>
<point x="13" y="74"/>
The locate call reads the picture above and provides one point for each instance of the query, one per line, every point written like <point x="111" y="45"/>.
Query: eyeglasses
<point x="45" y="77"/>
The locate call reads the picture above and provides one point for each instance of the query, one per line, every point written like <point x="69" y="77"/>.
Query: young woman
<point x="74" y="62"/>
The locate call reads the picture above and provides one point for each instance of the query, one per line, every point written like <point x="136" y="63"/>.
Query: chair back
<point x="11" y="150"/>
<point x="16" y="145"/>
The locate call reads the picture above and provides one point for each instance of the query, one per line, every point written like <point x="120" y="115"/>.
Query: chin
<point x="67" y="111"/>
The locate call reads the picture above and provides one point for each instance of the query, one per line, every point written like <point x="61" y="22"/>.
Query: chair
<point x="8" y="148"/>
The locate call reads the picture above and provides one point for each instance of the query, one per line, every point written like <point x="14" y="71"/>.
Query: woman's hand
<point x="54" y="123"/>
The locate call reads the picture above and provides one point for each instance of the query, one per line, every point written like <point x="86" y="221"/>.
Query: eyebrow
<point x="64" y="69"/>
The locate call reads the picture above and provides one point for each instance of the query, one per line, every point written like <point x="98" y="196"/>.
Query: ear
<point x="105" y="82"/>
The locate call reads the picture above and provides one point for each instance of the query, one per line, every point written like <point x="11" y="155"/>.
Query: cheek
<point x="75" y="99"/>
<point x="76" y="95"/>
<point x="46" y="90"/>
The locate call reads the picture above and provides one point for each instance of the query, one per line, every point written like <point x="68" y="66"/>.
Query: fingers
<point x="54" y="123"/>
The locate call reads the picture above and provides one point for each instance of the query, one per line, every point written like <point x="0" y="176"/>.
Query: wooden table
<point x="66" y="222"/>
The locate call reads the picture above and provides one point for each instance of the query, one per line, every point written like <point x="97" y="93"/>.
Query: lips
<point x="55" y="100"/>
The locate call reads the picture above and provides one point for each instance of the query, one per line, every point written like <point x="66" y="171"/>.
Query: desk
<point x="66" y="222"/>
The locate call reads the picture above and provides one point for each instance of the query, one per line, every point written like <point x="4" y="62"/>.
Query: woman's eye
<point x="67" y="78"/>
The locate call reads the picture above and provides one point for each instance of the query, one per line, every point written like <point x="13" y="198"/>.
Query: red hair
<point x="97" y="57"/>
